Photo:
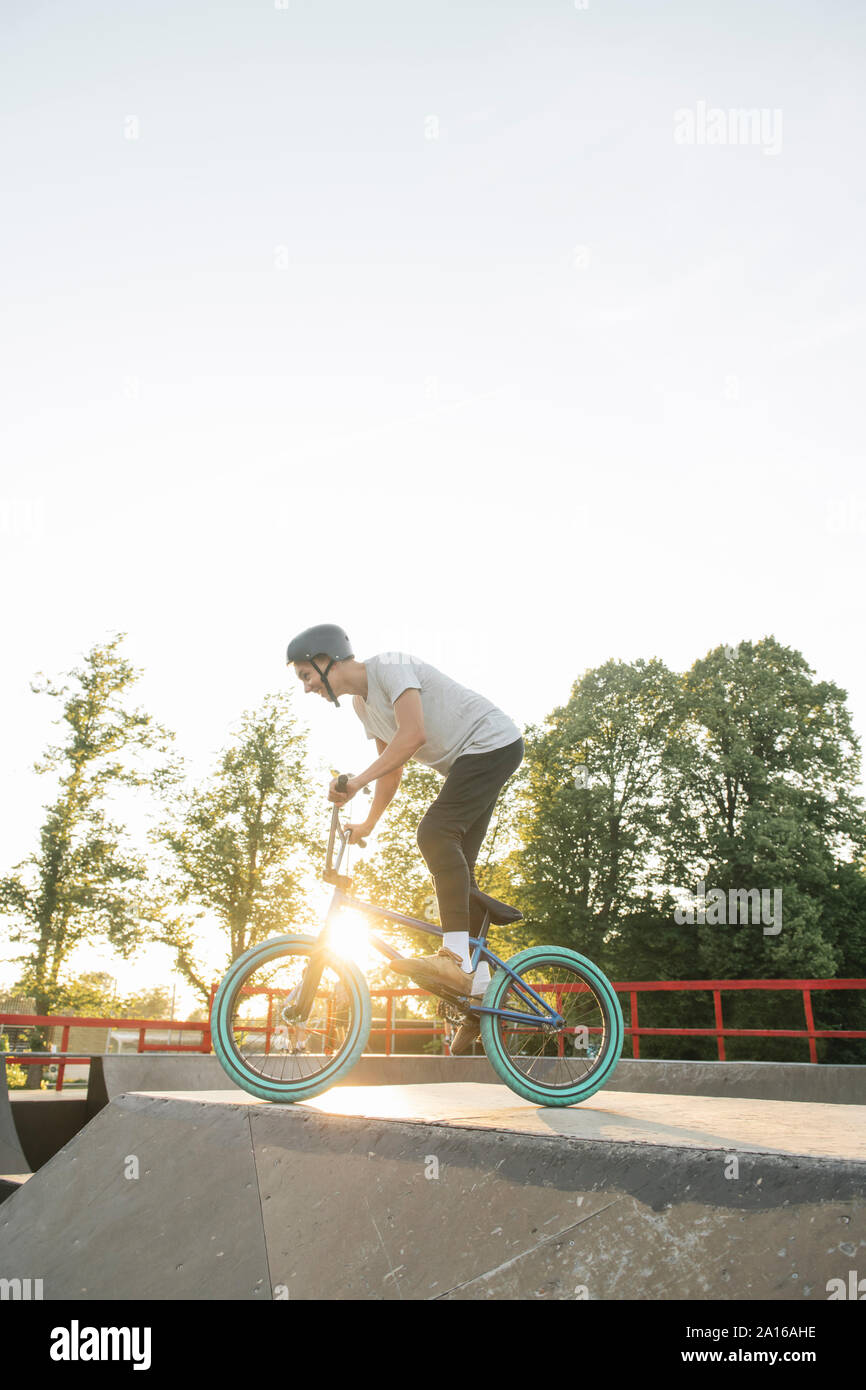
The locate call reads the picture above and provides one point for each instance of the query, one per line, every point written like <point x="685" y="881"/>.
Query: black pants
<point x="451" y="831"/>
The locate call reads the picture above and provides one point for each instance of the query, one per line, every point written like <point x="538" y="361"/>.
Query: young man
<point x="412" y="710"/>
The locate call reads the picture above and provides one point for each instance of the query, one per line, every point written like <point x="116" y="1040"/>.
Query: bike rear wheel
<point x="553" y="1065"/>
<point x="262" y="1047"/>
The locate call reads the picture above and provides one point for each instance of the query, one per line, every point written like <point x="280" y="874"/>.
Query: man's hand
<point x="352" y="789"/>
<point x="358" y="832"/>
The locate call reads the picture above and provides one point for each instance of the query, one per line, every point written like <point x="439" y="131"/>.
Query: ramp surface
<point x="468" y="1193"/>
<point x="113" y="1075"/>
<point x="699" y="1122"/>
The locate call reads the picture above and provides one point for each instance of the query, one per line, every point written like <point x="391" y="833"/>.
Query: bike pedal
<point x="454" y="1001"/>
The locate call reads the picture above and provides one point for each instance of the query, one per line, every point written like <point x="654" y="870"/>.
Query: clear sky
<point x="425" y="320"/>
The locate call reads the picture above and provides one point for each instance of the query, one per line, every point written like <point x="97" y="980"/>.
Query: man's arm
<point x="408" y="739"/>
<point x="386" y="790"/>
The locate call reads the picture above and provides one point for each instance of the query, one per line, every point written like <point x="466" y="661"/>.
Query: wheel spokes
<point x="559" y="1057"/>
<point x="273" y="1044"/>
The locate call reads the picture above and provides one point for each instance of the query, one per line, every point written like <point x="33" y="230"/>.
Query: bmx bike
<point x="292" y="1015"/>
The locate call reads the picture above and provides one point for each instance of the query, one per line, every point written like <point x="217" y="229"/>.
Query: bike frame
<point x="541" y="1011"/>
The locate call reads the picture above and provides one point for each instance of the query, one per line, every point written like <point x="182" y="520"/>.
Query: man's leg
<point x="462" y="810"/>
<point x="469" y="1032"/>
<point x="472" y="842"/>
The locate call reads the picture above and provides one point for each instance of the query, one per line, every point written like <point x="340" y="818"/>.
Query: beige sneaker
<point x="442" y="971"/>
<point x="466" y="1036"/>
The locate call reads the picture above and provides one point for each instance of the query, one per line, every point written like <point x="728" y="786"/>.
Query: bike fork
<point x="300" y="1001"/>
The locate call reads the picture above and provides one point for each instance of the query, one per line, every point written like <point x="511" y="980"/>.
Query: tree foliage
<point x="760" y="792"/>
<point x="742" y="774"/>
<point x="242" y="846"/>
<point x="85" y="883"/>
<point x="592" y="808"/>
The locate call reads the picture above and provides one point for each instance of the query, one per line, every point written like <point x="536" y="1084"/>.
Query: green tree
<point x="242" y="846"/>
<point x="153" y="1002"/>
<point x="85" y="883"/>
<point x="91" y="994"/>
<point x="592" y="807"/>
<point x="760" y="793"/>
<point x="741" y="772"/>
<point x="844" y="924"/>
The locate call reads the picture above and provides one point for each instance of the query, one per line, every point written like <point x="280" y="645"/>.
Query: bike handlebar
<point x="342" y="783"/>
<point x="337" y="829"/>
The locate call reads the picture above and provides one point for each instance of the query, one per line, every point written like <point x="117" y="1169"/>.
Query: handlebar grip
<point x="342" y="783"/>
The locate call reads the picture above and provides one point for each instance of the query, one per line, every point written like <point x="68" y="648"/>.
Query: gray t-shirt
<point x="456" y="720"/>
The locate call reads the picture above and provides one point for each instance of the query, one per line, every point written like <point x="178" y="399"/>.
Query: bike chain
<point x="451" y="1013"/>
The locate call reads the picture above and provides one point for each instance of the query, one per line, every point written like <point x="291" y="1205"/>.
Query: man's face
<point x="310" y="678"/>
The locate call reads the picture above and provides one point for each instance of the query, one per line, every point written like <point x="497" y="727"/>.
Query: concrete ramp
<point x="112" y="1075"/>
<point x="463" y="1192"/>
<point x="12" y="1158"/>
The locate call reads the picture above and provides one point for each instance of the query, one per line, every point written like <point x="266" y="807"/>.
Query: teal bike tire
<point x="275" y="1089"/>
<point x="534" y="1089"/>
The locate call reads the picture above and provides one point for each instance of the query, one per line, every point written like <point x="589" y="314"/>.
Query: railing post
<point x="389" y="1024"/>
<point x="61" y="1069"/>
<point x="635" y="1035"/>
<point x="810" y="1024"/>
<point x="717" y="1010"/>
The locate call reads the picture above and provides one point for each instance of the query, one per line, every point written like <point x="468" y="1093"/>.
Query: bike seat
<point x="500" y="913"/>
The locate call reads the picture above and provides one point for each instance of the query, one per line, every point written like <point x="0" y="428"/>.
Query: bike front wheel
<point x="263" y="1047"/>
<point x="546" y="1063"/>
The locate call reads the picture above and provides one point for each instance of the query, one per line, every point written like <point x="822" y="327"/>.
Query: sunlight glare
<point x="349" y="937"/>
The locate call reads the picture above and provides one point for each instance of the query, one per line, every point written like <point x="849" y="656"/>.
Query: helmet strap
<point x="325" y="681"/>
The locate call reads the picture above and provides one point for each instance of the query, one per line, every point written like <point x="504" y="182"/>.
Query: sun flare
<point x="349" y="936"/>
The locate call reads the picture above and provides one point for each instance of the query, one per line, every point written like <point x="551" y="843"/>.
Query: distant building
<point x="17" y="1004"/>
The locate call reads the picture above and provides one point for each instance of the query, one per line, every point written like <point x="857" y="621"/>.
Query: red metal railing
<point x="720" y="1032"/>
<point x="392" y="1029"/>
<point x="634" y="1028"/>
<point x="63" y="1058"/>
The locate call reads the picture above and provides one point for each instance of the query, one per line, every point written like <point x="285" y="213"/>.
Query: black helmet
<point x="327" y="640"/>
